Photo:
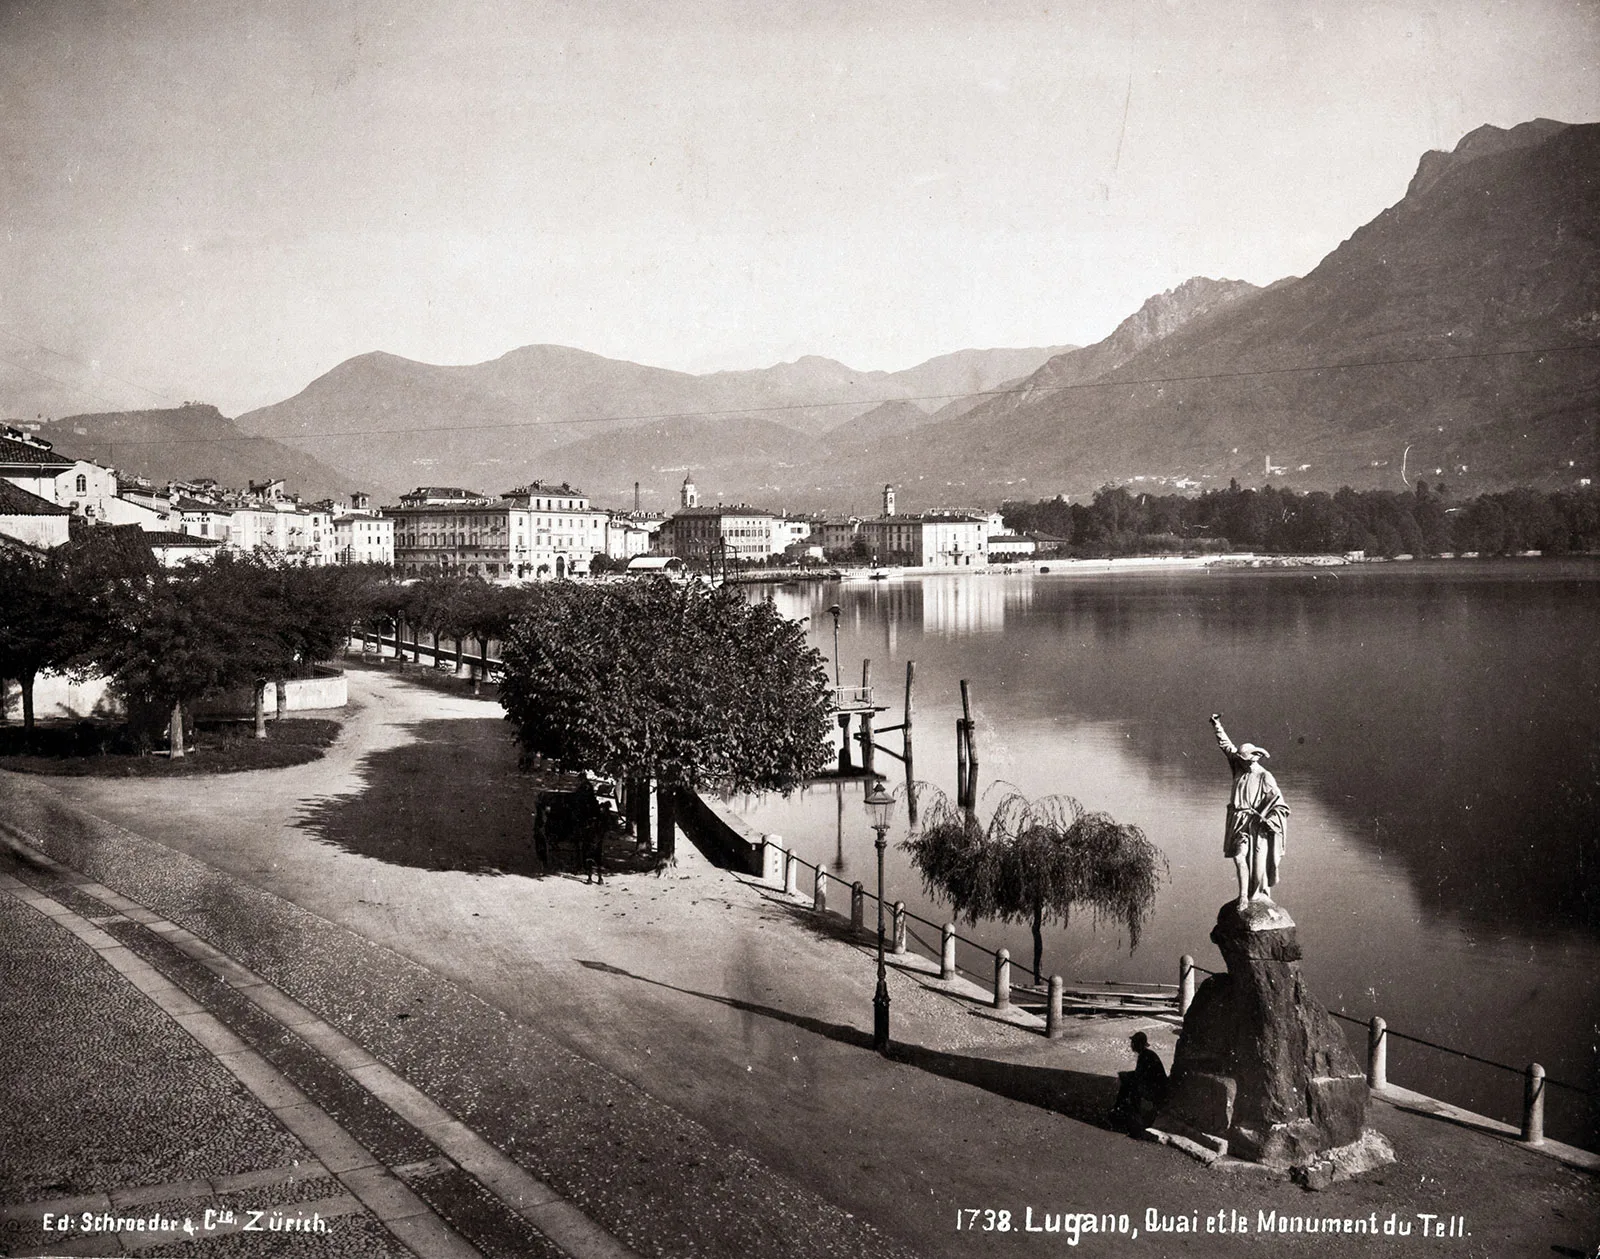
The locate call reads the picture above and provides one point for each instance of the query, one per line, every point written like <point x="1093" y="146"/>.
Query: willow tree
<point x="1035" y="862"/>
<point x="680" y="683"/>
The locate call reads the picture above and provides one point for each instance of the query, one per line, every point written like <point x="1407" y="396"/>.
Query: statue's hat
<point x="1253" y="753"/>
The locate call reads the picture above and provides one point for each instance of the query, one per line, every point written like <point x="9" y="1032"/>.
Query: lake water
<point x="1435" y="728"/>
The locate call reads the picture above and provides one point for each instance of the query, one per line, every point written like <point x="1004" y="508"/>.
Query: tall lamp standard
<point x="833" y="610"/>
<point x="879" y="804"/>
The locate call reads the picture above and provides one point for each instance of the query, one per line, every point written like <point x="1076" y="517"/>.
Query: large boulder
<point x="1261" y="1071"/>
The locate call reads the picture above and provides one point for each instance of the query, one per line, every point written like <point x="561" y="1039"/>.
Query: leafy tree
<point x="190" y="633"/>
<point x="1034" y="862"/>
<point x="58" y="607"/>
<point x="28" y="621"/>
<point x="680" y="683"/>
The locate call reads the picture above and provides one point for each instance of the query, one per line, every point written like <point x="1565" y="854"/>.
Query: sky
<point x="220" y="200"/>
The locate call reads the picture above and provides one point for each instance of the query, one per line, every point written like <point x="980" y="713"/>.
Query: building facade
<point x="533" y="531"/>
<point x="738" y="533"/>
<point x="362" y="539"/>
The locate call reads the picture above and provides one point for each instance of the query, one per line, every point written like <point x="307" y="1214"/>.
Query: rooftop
<point x="16" y="501"/>
<point x="30" y="451"/>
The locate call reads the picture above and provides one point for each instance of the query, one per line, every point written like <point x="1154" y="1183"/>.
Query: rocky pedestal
<point x="1262" y="1072"/>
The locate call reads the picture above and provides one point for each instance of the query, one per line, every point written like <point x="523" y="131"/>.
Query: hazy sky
<point x="221" y="200"/>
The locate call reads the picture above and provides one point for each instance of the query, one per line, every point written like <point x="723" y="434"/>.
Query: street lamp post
<point x="833" y="610"/>
<point x="879" y="804"/>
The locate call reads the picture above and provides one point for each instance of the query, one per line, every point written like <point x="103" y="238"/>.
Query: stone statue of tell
<point x="1257" y="829"/>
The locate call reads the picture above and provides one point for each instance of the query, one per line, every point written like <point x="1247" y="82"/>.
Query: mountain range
<point x="1455" y="337"/>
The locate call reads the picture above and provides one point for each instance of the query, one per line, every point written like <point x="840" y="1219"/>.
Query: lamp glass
<point x="879" y="805"/>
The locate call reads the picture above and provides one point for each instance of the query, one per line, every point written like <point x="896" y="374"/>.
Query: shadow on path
<point x="452" y="798"/>
<point x="1079" y="1095"/>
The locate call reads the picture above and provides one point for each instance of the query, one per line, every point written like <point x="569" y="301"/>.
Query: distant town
<point x="534" y="532"/>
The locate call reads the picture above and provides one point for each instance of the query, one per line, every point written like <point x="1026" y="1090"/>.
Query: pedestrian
<point x="1140" y="1092"/>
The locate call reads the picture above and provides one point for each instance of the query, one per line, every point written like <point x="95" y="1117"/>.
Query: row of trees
<point x="1423" y="521"/>
<point x="167" y="638"/>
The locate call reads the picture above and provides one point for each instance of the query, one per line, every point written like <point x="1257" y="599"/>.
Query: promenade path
<point x="674" y="1065"/>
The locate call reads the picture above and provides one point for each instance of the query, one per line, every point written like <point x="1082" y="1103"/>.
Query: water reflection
<point x="1436" y="729"/>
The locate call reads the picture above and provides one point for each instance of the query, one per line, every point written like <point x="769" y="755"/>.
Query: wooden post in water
<point x="905" y="732"/>
<point x="967" y="782"/>
<point x="867" y="758"/>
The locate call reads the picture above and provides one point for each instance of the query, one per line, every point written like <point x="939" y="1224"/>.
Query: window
<point x="83" y="484"/>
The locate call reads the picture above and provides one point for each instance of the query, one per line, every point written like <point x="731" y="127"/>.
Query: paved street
<point x="675" y="1065"/>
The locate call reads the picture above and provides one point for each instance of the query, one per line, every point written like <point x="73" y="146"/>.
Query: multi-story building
<point x="564" y="532"/>
<point x="927" y="539"/>
<point x="536" y="530"/>
<point x="739" y="533"/>
<point x="838" y="533"/>
<point x="362" y="539"/>
<point x="631" y="533"/>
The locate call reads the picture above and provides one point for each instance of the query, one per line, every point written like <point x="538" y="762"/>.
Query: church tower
<point x="688" y="495"/>
<point x="888" y="500"/>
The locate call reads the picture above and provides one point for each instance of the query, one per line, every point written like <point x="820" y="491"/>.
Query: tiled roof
<point x="725" y="509"/>
<point x="13" y="451"/>
<point x="16" y="501"/>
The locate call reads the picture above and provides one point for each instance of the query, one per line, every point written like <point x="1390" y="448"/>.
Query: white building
<point x="927" y="539"/>
<point x="35" y="522"/>
<point x="363" y="539"/>
<point x="536" y="530"/>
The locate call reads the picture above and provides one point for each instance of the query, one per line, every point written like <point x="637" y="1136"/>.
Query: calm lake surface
<point x="1434" y="726"/>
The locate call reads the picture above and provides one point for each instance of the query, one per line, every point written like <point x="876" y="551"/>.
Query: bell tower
<point x="688" y="495"/>
<point x="888" y="500"/>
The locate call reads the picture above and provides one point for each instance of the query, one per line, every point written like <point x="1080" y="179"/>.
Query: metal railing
<point x="1179" y="996"/>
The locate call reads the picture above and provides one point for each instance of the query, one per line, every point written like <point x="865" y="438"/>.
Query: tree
<point x="185" y="634"/>
<point x="1035" y="862"/>
<point x="680" y="683"/>
<point x="29" y="614"/>
<point x="59" y="607"/>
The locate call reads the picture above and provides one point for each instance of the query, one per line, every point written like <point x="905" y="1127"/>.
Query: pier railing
<point x="1109" y="996"/>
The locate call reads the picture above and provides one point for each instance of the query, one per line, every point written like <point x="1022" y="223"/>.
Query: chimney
<point x="635" y="498"/>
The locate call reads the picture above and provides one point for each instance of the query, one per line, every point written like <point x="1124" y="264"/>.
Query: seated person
<point x="1140" y="1092"/>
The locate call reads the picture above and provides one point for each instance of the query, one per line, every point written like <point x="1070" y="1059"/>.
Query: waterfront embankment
<point x="685" y="1057"/>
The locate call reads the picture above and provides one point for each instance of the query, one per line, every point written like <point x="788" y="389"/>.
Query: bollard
<point x="858" y="904"/>
<point x="1052" y="1020"/>
<point x="1533" y="1105"/>
<point x="773" y="859"/>
<point x="819" y="900"/>
<point x="1185" y="984"/>
<point x="947" y="951"/>
<point x="791" y="875"/>
<point x="1377" y="1054"/>
<point x="1002" y="980"/>
<point x="899" y="926"/>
